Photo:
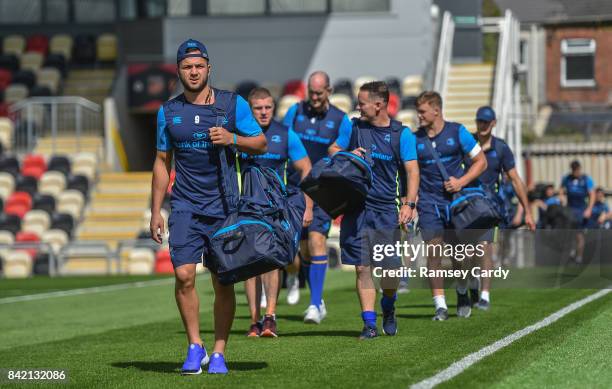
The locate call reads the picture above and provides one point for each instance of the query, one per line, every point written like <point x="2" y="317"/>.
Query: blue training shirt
<point x="317" y="131"/>
<point x="577" y="190"/>
<point x="453" y="144"/>
<point x="185" y="128"/>
<point x="391" y="147"/>
<point x="499" y="159"/>
<point x="283" y="145"/>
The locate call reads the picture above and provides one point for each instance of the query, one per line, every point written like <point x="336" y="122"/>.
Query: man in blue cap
<point x="193" y="128"/>
<point x="500" y="159"/>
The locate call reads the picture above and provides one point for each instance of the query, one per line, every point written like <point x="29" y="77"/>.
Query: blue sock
<point x="369" y="318"/>
<point x="387" y="303"/>
<point x="316" y="276"/>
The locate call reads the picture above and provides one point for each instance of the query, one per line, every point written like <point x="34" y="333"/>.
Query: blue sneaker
<point x="196" y="358"/>
<point x="368" y="332"/>
<point x="217" y="364"/>
<point x="389" y="322"/>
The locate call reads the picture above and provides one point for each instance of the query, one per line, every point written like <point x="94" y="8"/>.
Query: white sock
<point x="440" y="302"/>
<point x="485" y="295"/>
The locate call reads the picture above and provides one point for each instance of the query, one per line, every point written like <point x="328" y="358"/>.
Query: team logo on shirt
<point x="450" y="142"/>
<point x="373" y="147"/>
<point x="300" y="118"/>
<point x="177" y="120"/>
<point x="388" y="138"/>
<point x="330" y="124"/>
<point x="421" y="146"/>
<point x="311" y="131"/>
<point x="276" y="138"/>
<point x="200" y="135"/>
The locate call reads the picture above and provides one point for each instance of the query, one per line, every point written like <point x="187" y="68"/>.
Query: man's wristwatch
<point x="411" y="204"/>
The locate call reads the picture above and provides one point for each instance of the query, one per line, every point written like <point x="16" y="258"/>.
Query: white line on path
<point x="96" y="289"/>
<point x="458" y="367"/>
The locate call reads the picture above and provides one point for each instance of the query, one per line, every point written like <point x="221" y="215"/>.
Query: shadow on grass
<point x="175" y="367"/>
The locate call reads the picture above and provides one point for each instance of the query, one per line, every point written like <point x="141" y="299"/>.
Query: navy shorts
<point x="297" y="206"/>
<point x="190" y="237"/>
<point x="434" y="220"/>
<point x="361" y="231"/>
<point x="579" y="222"/>
<point x="321" y="222"/>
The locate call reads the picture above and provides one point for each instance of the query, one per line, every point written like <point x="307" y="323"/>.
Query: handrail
<point x="78" y="100"/>
<point x="445" y="53"/>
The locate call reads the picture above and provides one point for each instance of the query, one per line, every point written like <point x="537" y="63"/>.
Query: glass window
<point x="155" y="8"/>
<point x="577" y="62"/>
<point x="21" y="12"/>
<point x="57" y="11"/>
<point x="179" y="7"/>
<point x="236" y="7"/>
<point x="94" y="11"/>
<point x="361" y="5"/>
<point x="291" y="6"/>
<point x="128" y="9"/>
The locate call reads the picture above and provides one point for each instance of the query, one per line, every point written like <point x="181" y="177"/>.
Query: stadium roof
<point x="559" y="11"/>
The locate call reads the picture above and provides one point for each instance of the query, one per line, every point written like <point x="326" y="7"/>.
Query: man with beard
<point x="318" y="124"/>
<point x="193" y="128"/>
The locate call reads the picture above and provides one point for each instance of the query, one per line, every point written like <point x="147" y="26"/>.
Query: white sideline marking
<point x="458" y="367"/>
<point x="96" y="289"/>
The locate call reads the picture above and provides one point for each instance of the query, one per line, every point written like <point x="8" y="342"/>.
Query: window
<point x="577" y="62"/>
<point x="179" y="8"/>
<point x="298" y="6"/>
<point x="57" y="11"/>
<point x="23" y="12"/>
<point x="361" y="6"/>
<point x="94" y="11"/>
<point x="236" y="7"/>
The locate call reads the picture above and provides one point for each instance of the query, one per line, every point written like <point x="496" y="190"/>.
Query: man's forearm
<point x="253" y="145"/>
<point x="159" y="186"/>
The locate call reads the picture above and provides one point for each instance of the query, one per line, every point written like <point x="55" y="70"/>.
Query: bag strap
<point x="433" y="151"/>
<point x="222" y="112"/>
<point x="364" y="137"/>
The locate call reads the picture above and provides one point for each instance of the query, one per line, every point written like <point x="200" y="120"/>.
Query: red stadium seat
<point x="18" y="204"/>
<point x="33" y="165"/>
<point x="18" y="210"/>
<point x="394" y="104"/>
<point x="163" y="264"/>
<point x="5" y="78"/>
<point x="296" y="88"/>
<point x="4" y="110"/>
<point x="38" y="43"/>
<point x="25" y="237"/>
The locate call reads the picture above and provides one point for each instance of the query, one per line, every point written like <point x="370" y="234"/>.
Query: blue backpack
<point x="341" y="183"/>
<point x="258" y="237"/>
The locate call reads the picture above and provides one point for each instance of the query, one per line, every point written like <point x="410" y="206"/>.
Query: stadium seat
<point x="84" y="49"/>
<point x="38" y="43"/>
<point x="43" y="202"/>
<point x="394" y="104"/>
<point x="408" y="102"/>
<point x="394" y="85"/>
<point x="24" y="77"/>
<point x="360" y="81"/>
<point x="14" y="44"/>
<point x="4" y="108"/>
<point x="245" y="87"/>
<point x="284" y="104"/>
<point x="31" y="60"/>
<point x="61" y="44"/>
<point x="408" y="118"/>
<point x="344" y="86"/>
<point x="71" y="202"/>
<point x="28" y="237"/>
<point x="163" y="263"/>
<point x="140" y="261"/>
<point x="5" y="78"/>
<point x="80" y="183"/>
<point x="7" y="185"/>
<point x="55" y="238"/>
<point x="49" y="77"/>
<point x="40" y="91"/>
<point x="10" y="223"/>
<point x="106" y="48"/>
<point x="7" y="129"/>
<point x="27" y="184"/>
<point x="18" y="204"/>
<point x="6" y="237"/>
<point x="56" y="61"/>
<point x="64" y="222"/>
<point x="59" y="163"/>
<point x="9" y="164"/>
<point x="36" y="160"/>
<point x="9" y="62"/>
<point x="17" y="264"/>
<point x="341" y="101"/>
<point x="14" y="93"/>
<point x="295" y="88"/>
<point x="41" y="264"/>
<point x="412" y="85"/>
<point x="36" y="221"/>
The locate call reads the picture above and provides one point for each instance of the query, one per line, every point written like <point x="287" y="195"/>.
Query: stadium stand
<point x="17" y="264"/>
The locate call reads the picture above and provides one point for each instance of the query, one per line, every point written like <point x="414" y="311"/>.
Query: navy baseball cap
<point x="189" y="44"/>
<point x="486" y="114"/>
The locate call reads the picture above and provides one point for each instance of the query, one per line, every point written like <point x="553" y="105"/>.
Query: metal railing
<point x="66" y="116"/>
<point x="506" y="92"/>
<point x="445" y="53"/>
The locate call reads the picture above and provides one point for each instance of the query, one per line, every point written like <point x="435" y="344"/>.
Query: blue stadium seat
<point x="59" y="163"/>
<point x="44" y="202"/>
<point x="10" y="223"/>
<point x="64" y="222"/>
<point x="24" y="77"/>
